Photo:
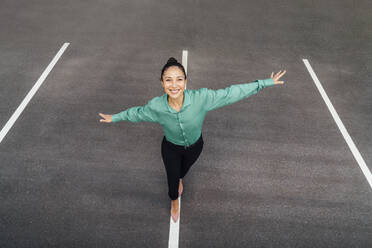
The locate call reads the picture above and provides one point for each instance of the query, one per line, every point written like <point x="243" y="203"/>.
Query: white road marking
<point x="31" y="93"/>
<point x="175" y="227"/>
<point x="344" y="132"/>
<point x="184" y="61"/>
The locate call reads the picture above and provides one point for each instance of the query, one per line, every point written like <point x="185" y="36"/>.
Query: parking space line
<point x="184" y="61"/>
<point x="175" y="227"/>
<point x="31" y="93"/>
<point x="358" y="157"/>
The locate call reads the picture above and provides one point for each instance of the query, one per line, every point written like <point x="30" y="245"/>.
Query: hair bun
<point x="172" y="60"/>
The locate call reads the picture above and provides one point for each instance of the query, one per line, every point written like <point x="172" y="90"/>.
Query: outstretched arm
<point x="218" y="98"/>
<point x="133" y="114"/>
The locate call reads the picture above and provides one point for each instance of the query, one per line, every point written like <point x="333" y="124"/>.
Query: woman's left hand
<point x="277" y="76"/>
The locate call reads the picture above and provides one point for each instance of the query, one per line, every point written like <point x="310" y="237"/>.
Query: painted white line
<point x="175" y="227"/>
<point x="349" y="141"/>
<point x="184" y="61"/>
<point x="31" y="93"/>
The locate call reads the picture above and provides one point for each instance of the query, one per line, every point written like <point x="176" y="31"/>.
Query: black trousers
<point x="177" y="161"/>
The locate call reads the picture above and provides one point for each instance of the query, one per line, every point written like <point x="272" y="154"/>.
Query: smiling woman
<point x="181" y="113"/>
<point x="173" y="80"/>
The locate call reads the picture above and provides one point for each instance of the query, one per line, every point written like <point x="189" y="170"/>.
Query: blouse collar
<point x="186" y="101"/>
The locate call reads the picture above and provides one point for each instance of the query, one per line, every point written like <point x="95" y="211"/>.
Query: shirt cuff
<point x="268" y="82"/>
<point x="116" y="118"/>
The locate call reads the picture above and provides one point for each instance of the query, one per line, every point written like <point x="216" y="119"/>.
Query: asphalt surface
<point x="275" y="170"/>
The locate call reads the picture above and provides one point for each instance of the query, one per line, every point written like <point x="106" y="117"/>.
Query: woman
<point x="181" y="114"/>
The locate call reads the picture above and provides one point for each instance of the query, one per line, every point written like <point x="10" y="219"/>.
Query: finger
<point x="272" y="74"/>
<point x="281" y="75"/>
<point x="104" y="116"/>
<point x="277" y="74"/>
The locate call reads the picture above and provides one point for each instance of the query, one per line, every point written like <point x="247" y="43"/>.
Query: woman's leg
<point x="172" y="162"/>
<point x="190" y="156"/>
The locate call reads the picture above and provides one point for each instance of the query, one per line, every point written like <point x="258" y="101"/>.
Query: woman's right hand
<point x="277" y="76"/>
<point x="106" y="118"/>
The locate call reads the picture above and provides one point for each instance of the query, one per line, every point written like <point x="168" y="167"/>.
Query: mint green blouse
<point x="184" y="127"/>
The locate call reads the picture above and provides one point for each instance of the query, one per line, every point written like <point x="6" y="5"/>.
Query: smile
<point x="174" y="91"/>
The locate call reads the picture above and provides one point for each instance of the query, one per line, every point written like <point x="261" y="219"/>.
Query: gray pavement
<point x="275" y="170"/>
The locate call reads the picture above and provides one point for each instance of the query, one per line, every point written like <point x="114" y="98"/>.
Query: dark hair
<point x="172" y="62"/>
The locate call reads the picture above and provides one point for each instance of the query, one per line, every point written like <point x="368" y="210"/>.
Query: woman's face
<point x="173" y="81"/>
